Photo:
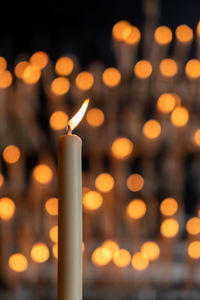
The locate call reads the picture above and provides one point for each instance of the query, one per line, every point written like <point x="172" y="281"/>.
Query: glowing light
<point x="55" y="250"/>
<point x="139" y="261"/>
<point x="143" y="69"/>
<point x="135" y="182"/>
<point x="193" y="225"/>
<point x="83" y="247"/>
<point x="151" y="250"/>
<point x="7" y="208"/>
<point x="198" y="29"/>
<point x="111" y="246"/>
<point x="131" y="35"/>
<point x="168" y="67"/>
<point x="194" y="249"/>
<point x="192" y="68"/>
<point x="118" y="30"/>
<point x="136" y="209"/>
<point x="1" y="179"/>
<point x="180" y="116"/>
<point x="58" y="120"/>
<point x="197" y="137"/>
<point x="79" y="115"/>
<point x="168" y="207"/>
<point x="51" y="206"/>
<point x="43" y="173"/>
<point x="166" y="103"/>
<point x="104" y="182"/>
<point x="152" y="129"/>
<point x="3" y="64"/>
<point x="84" y="81"/>
<point x="92" y="200"/>
<point x="163" y="35"/>
<point x="5" y="79"/>
<point x="101" y="256"/>
<point x="60" y="86"/>
<point x="31" y="74"/>
<point x="122" y="148"/>
<point x="169" y="228"/>
<point x="11" y="154"/>
<point x="53" y="234"/>
<point x="20" y="68"/>
<point x="39" y="253"/>
<point x="39" y="59"/>
<point x="122" y="258"/>
<point x="64" y="66"/>
<point x="111" y="77"/>
<point x="95" y="117"/>
<point x="18" y="262"/>
<point x="184" y="33"/>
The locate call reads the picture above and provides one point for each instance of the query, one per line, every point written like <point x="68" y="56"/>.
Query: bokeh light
<point x="7" y="208"/>
<point x="95" y="117"/>
<point x="43" y="173"/>
<point x="84" y="81"/>
<point x="101" y="256"/>
<point x="20" y="68"/>
<point x="151" y="250"/>
<point x="169" y="207"/>
<point x="180" y="116"/>
<point x="136" y="209"/>
<point x="39" y="59"/>
<point x="1" y="179"/>
<point x="192" y="68"/>
<point x="122" y="258"/>
<point x="197" y="137"/>
<point x="39" y="252"/>
<point x="194" y="249"/>
<point x="111" y="245"/>
<point x="139" y="261"/>
<point x="184" y="33"/>
<point x="118" y="30"/>
<point x="166" y="103"/>
<point x="18" y="262"/>
<point x="55" y="250"/>
<point x="3" y="63"/>
<point x="168" y="67"/>
<point x="53" y="234"/>
<point x="169" y="228"/>
<point x="111" y="77"/>
<point x="58" y="120"/>
<point x="122" y="148"/>
<point x="152" y="129"/>
<point x="60" y="86"/>
<point x="11" y="154"/>
<point x="193" y="225"/>
<point x="92" y="200"/>
<point x="163" y="35"/>
<point x="135" y="182"/>
<point x="64" y="66"/>
<point x="51" y="206"/>
<point x="31" y="75"/>
<point x="6" y="79"/>
<point x="131" y="35"/>
<point x="143" y="69"/>
<point x="104" y="182"/>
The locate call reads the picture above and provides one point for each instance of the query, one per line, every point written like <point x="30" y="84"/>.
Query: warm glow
<point x="83" y="247"/>
<point x="64" y="66"/>
<point x="168" y="67"/>
<point x="43" y="173"/>
<point x="7" y="208"/>
<point x="122" y="258"/>
<point x="143" y="69"/>
<point x="194" y="249"/>
<point x="95" y="117"/>
<point x="139" y="261"/>
<point x="20" y="68"/>
<point x="5" y="79"/>
<point x="79" y="115"/>
<point x="58" y="120"/>
<point x="135" y="182"/>
<point x="136" y="209"/>
<point x="55" y="250"/>
<point x="92" y="200"/>
<point x="180" y="116"/>
<point x="39" y="252"/>
<point x="152" y="129"/>
<point x="39" y="59"/>
<point x="111" y="77"/>
<point x="51" y="206"/>
<point x="197" y="137"/>
<point x="198" y="29"/>
<point x="151" y="250"/>
<point x="101" y="256"/>
<point x="166" y="103"/>
<point x="118" y="30"/>
<point x="168" y="207"/>
<point x="193" y="225"/>
<point x="84" y="80"/>
<point x="169" y="228"/>
<point x="122" y="148"/>
<point x="192" y="68"/>
<point x="163" y="35"/>
<point x="131" y="35"/>
<point x="60" y="86"/>
<point x="18" y="262"/>
<point x="184" y="33"/>
<point x="53" y="234"/>
<point x="111" y="246"/>
<point x="31" y="74"/>
<point x="11" y="154"/>
<point x="3" y="63"/>
<point x="1" y="179"/>
<point x="104" y="182"/>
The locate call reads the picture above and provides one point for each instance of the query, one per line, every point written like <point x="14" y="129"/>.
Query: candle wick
<point x="68" y="130"/>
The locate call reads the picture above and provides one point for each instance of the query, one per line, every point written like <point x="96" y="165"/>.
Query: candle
<point x="70" y="212"/>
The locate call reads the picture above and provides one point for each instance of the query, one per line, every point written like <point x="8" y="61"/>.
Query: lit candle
<point x="70" y="212"/>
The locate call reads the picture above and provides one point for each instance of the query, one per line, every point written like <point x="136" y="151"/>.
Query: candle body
<point x="70" y="218"/>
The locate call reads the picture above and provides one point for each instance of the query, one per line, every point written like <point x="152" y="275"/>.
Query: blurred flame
<point x="79" y="115"/>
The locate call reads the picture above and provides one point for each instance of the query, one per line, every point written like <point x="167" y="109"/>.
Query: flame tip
<point x="74" y="121"/>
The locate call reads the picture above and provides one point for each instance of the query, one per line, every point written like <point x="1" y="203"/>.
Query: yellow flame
<point x="79" y="115"/>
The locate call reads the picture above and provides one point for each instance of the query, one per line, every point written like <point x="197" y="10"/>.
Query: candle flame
<point x="79" y="115"/>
